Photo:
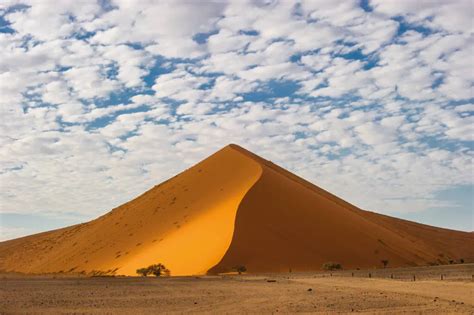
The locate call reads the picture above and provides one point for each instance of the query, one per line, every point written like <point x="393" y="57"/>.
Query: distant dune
<point x="234" y="208"/>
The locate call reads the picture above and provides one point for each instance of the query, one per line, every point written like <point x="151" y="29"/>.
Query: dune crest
<point x="234" y="208"/>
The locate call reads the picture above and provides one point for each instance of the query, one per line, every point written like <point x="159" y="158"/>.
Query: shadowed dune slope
<point x="285" y="222"/>
<point x="234" y="208"/>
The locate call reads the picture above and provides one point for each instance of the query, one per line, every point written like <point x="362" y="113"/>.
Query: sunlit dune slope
<point x="185" y="223"/>
<point x="234" y="208"/>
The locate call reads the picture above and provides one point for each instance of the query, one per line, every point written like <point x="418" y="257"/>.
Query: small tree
<point x="143" y="272"/>
<point x="240" y="269"/>
<point x="156" y="270"/>
<point x="384" y="262"/>
<point x="332" y="266"/>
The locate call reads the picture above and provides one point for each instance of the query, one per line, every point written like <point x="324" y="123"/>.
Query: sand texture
<point x="234" y="208"/>
<point x="315" y="293"/>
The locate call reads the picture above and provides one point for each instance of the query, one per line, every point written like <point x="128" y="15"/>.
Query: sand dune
<point x="234" y="208"/>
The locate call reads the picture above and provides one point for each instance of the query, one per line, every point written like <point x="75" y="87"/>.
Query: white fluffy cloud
<point x="451" y="16"/>
<point x="101" y="100"/>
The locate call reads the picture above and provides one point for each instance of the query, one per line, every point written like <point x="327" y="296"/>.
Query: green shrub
<point x="332" y="266"/>
<point x="156" y="270"/>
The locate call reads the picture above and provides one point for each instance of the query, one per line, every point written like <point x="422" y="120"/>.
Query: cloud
<point x="101" y="100"/>
<point x="450" y="16"/>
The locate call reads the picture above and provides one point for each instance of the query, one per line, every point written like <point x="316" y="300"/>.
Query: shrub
<point x="156" y="270"/>
<point x="461" y="260"/>
<point x="240" y="269"/>
<point x="384" y="262"/>
<point x="332" y="266"/>
<point x="143" y="272"/>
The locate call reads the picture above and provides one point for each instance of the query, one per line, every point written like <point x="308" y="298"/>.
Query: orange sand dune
<point x="234" y="208"/>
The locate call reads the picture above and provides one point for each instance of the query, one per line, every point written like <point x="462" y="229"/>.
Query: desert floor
<point x="272" y="293"/>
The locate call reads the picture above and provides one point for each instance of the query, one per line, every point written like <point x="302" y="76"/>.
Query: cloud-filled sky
<point x="101" y="100"/>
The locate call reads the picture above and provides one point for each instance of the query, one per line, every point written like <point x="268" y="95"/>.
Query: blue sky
<point x="101" y="100"/>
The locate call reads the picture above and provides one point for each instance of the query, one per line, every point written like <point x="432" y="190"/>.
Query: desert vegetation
<point x="332" y="266"/>
<point x="156" y="270"/>
<point x="240" y="269"/>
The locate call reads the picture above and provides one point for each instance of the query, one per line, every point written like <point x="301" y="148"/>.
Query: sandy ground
<point x="285" y="293"/>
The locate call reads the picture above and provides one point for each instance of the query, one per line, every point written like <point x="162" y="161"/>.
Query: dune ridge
<point x="234" y="208"/>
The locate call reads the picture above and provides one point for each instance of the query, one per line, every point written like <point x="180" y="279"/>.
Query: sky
<point x="102" y="100"/>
